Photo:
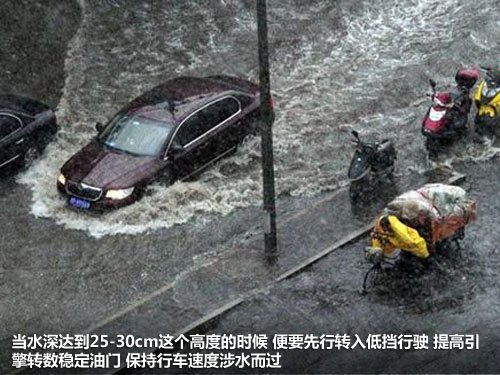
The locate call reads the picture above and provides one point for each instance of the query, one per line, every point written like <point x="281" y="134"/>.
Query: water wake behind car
<point x="334" y="66"/>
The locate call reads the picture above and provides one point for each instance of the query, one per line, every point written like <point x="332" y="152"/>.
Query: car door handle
<point x="20" y="141"/>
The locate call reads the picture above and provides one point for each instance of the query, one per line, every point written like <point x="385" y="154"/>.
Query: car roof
<point x="175" y="98"/>
<point x="21" y="104"/>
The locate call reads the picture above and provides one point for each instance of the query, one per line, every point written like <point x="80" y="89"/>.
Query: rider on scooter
<point x="417" y="221"/>
<point x="390" y="236"/>
<point x="487" y="99"/>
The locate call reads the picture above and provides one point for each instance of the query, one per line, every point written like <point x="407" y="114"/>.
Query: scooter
<point x="446" y="119"/>
<point x="371" y="162"/>
<point x="408" y="265"/>
<point x="439" y="213"/>
<point x="487" y="100"/>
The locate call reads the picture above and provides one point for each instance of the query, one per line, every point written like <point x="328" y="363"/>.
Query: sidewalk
<point x="193" y="299"/>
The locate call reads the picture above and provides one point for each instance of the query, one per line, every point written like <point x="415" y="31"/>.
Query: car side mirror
<point x="175" y="150"/>
<point x="99" y="127"/>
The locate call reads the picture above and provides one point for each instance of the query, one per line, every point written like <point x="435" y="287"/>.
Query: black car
<point x="171" y="132"/>
<point x="26" y="127"/>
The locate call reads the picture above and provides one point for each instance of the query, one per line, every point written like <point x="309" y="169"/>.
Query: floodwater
<point x="336" y="66"/>
<point x="458" y="294"/>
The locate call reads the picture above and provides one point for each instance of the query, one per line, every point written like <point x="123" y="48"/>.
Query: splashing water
<point x="334" y="67"/>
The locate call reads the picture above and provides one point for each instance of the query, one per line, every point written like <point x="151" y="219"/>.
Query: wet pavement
<point x="136" y="289"/>
<point x="35" y="34"/>
<point x="460" y="297"/>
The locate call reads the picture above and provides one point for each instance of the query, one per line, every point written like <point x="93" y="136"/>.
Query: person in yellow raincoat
<point x="390" y="235"/>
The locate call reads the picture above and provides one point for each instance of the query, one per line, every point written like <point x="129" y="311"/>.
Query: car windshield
<point x="136" y="134"/>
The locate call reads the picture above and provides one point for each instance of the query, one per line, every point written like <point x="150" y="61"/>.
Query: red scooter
<point x="446" y="119"/>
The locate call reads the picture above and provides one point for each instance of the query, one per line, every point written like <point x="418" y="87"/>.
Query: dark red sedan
<point x="171" y="132"/>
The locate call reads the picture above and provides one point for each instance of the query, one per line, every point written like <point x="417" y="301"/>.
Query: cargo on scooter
<point x="415" y="224"/>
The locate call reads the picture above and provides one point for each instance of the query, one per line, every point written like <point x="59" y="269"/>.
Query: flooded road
<point x="458" y="296"/>
<point x="336" y="66"/>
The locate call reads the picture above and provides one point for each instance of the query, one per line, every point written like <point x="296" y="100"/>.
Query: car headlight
<point x="61" y="179"/>
<point x="119" y="193"/>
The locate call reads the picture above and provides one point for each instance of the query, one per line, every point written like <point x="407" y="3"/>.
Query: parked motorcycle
<point x="446" y="119"/>
<point x="487" y="99"/>
<point x="371" y="162"/>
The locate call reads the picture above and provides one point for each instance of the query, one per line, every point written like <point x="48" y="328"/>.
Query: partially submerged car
<point x="171" y="132"/>
<point x="26" y="127"/>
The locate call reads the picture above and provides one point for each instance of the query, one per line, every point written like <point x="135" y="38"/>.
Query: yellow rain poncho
<point x="399" y="236"/>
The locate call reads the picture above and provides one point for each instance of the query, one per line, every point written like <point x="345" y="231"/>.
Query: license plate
<point x="79" y="203"/>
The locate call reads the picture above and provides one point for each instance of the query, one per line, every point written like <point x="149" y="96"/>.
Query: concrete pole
<point x="270" y="232"/>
